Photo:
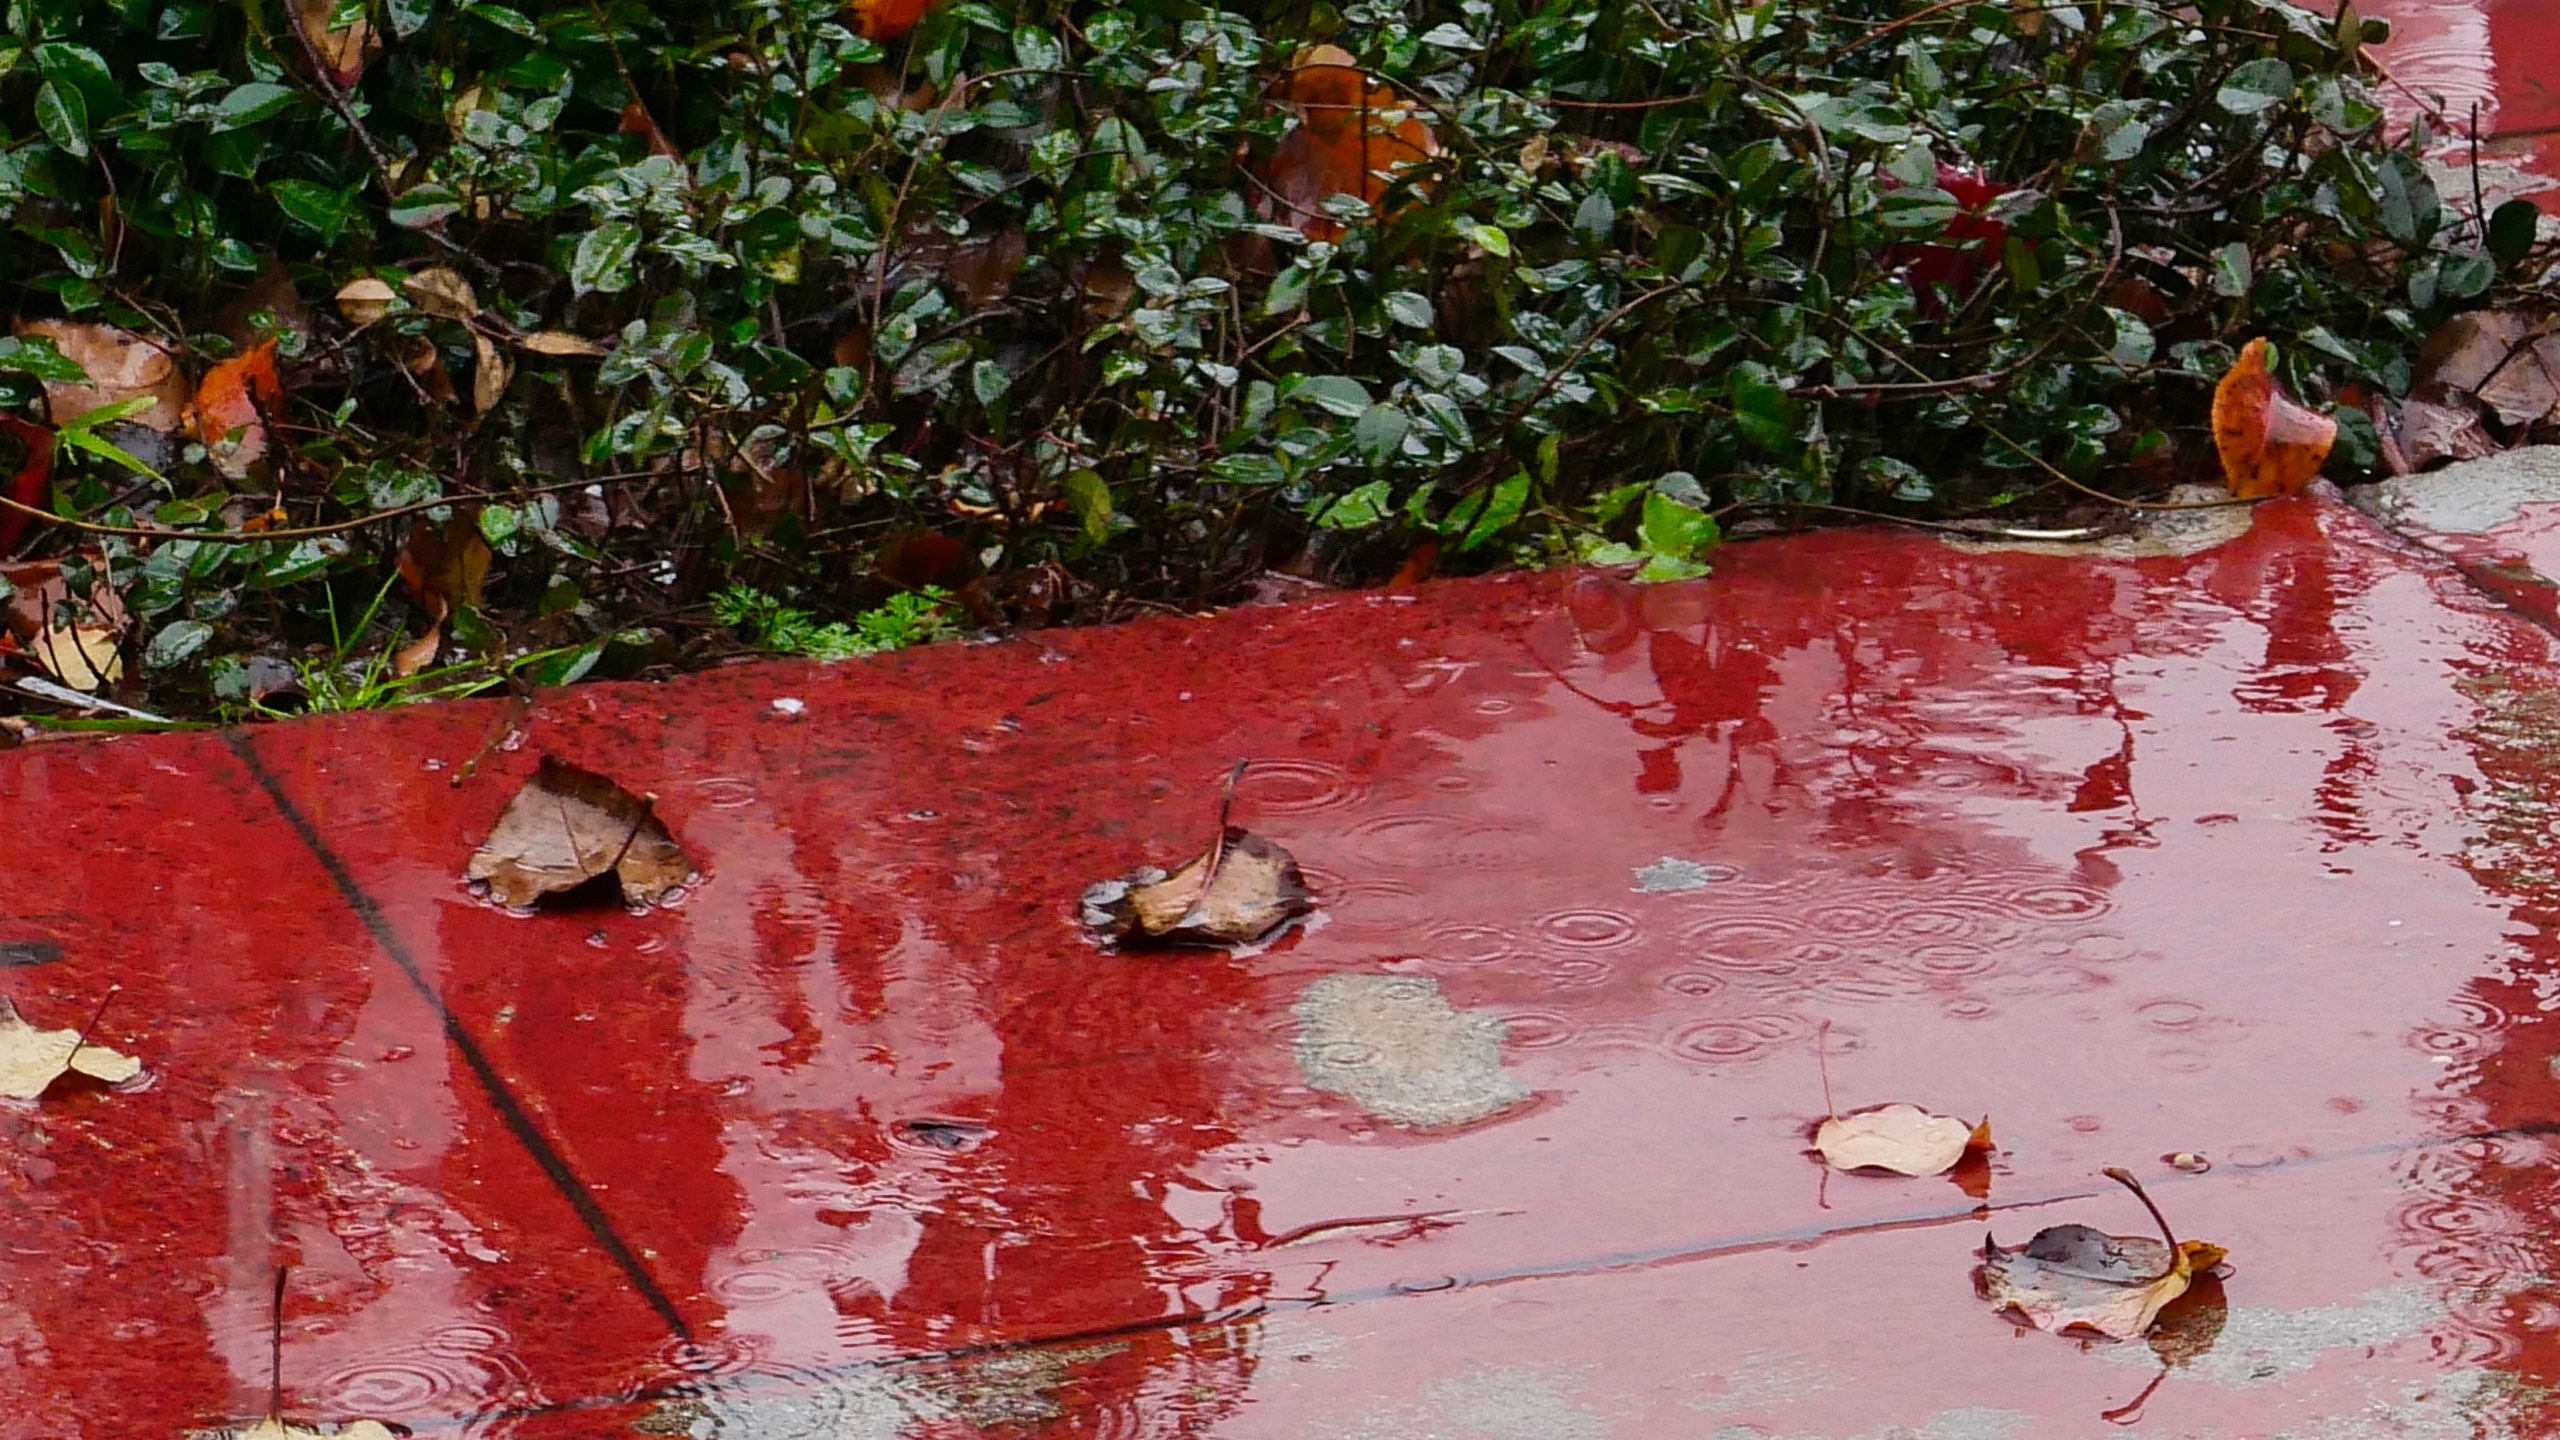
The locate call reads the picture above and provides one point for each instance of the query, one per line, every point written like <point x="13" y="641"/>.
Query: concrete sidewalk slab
<point x="2244" y="853"/>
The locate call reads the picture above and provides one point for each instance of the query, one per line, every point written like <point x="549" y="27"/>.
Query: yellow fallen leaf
<point x="1904" y="1139"/>
<point x="366" y="300"/>
<point x="32" y="1059"/>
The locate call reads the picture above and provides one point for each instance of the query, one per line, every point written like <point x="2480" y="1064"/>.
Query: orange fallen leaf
<point x="2271" y="443"/>
<point x="232" y="406"/>
<point x="888" y="19"/>
<point x="343" y="50"/>
<point x="2073" y="1278"/>
<point x="420" y="653"/>
<point x="1353" y="137"/>
<point x="1904" y="1139"/>
<point x="121" y="366"/>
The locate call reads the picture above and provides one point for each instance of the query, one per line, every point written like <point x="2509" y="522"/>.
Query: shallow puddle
<point x="2246" y="853"/>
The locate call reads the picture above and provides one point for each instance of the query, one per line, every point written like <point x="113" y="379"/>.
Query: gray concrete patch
<point x="1012" y="1388"/>
<point x="1969" y="1423"/>
<point x="1672" y="875"/>
<point x="1488" y="1402"/>
<point x="1394" y="1046"/>
<point x="2260" y="1346"/>
<point x="1762" y="1379"/>
<point x="2460" y="1405"/>
<point x="2469" y="497"/>
<point x="2154" y="533"/>
<point x="862" y="1405"/>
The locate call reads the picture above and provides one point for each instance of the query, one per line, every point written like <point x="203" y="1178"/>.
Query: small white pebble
<point x="789" y="705"/>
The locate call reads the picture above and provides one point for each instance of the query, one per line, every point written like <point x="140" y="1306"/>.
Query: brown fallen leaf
<point x="2468" y="349"/>
<point x="490" y="375"/>
<point x="568" y="826"/>
<point x="560" y="343"/>
<point x="366" y="299"/>
<point x="121" y="366"/>
<point x="2271" y="443"/>
<point x="1237" y="891"/>
<point x="2073" y="1278"/>
<point x="442" y="292"/>
<point x="32" y="1059"/>
<point x="444" y="567"/>
<point x="2522" y="391"/>
<point x="2439" y="425"/>
<point x="1904" y="1139"/>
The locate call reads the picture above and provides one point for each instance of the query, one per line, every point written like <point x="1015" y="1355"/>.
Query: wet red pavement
<point x="2501" y="55"/>
<point x="2247" y="854"/>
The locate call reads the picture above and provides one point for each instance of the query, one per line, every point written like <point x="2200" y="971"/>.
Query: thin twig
<point x="255" y="537"/>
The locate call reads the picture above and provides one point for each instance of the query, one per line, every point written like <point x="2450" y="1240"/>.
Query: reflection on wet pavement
<point x="2245" y="853"/>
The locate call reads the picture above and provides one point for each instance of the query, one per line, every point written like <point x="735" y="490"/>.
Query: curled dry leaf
<point x="1352" y="138"/>
<point x="2073" y="1278"/>
<point x="232" y="407"/>
<point x="888" y="19"/>
<point x="121" y="366"/>
<point x="1237" y="891"/>
<point x="81" y="645"/>
<point x="442" y="292"/>
<point x="1904" y="1139"/>
<point x="366" y="299"/>
<point x="343" y="50"/>
<point x="2271" y="443"/>
<point x="32" y="1059"/>
<point x="568" y="826"/>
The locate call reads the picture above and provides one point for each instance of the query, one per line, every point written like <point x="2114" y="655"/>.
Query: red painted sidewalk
<point x="2250" y="854"/>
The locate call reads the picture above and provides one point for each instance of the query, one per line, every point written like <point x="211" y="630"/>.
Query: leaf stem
<point x="2124" y="1177"/>
<point x="95" y="1016"/>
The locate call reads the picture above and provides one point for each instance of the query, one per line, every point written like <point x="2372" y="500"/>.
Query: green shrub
<point x="1016" y="276"/>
